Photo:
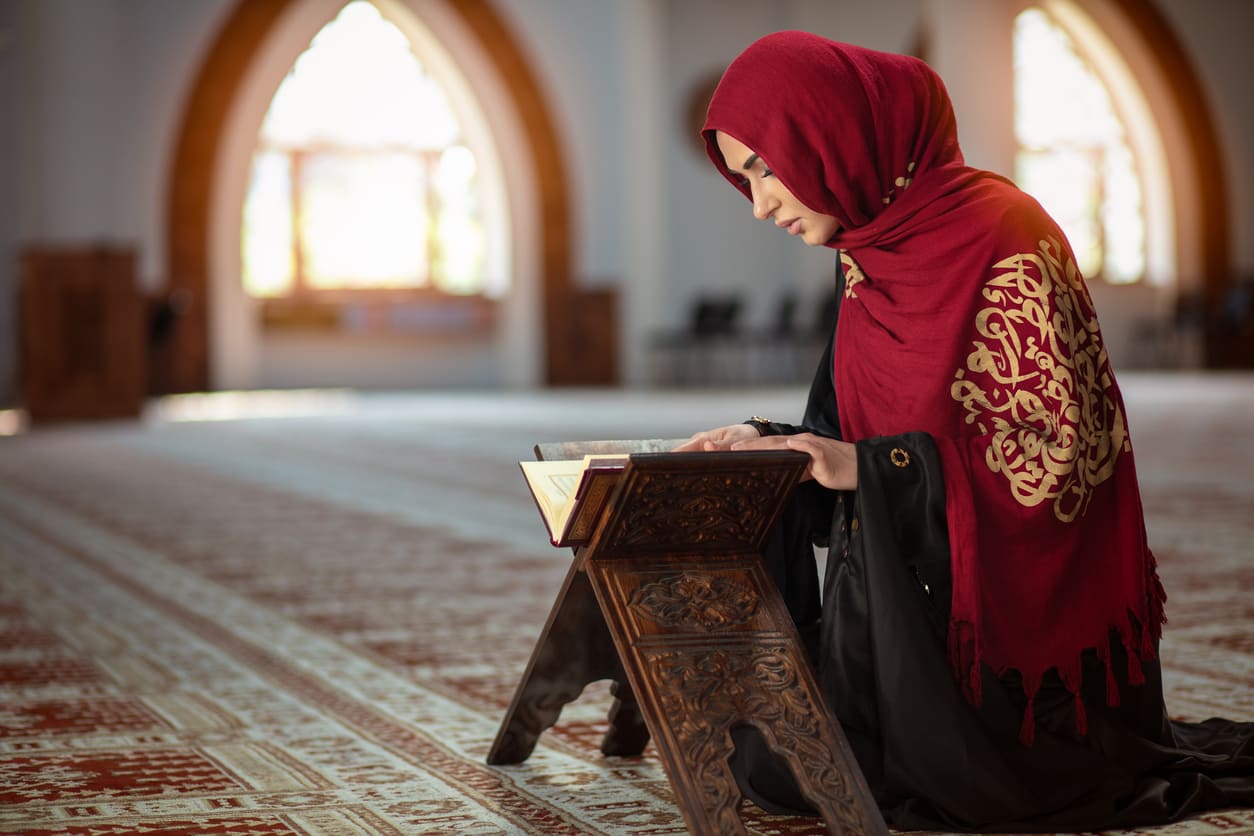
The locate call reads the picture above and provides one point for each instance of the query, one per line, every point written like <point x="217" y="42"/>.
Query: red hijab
<point x="965" y="317"/>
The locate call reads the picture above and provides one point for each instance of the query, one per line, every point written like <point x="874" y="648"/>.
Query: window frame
<point x="304" y="306"/>
<point x="1140" y="135"/>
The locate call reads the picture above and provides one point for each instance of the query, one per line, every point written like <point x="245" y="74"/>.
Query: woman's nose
<point x="763" y="205"/>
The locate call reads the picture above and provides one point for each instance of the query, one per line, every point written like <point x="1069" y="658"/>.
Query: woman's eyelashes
<point x="741" y="180"/>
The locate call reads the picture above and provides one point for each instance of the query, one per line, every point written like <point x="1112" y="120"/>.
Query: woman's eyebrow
<point x="748" y="164"/>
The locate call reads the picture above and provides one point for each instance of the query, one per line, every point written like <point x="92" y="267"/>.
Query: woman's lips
<point x="792" y="227"/>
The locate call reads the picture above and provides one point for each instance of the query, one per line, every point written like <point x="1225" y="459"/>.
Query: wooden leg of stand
<point x="628" y="733"/>
<point x="708" y="645"/>
<point x="574" y="649"/>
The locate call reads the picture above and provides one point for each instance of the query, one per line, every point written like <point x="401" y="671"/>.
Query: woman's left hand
<point x="833" y="464"/>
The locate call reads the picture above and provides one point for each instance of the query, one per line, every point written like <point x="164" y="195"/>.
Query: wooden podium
<point x="82" y="322"/>
<point x="670" y="601"/>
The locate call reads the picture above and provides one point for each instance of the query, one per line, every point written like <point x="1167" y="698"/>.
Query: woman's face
<point x="771" y="199"/>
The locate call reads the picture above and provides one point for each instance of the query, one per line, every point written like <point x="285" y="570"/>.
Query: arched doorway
<point x="205" y="152"/>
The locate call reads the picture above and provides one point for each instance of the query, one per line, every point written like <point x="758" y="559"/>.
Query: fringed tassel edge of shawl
<point x="964" y="659"/>
<point x="1139" y="640"/>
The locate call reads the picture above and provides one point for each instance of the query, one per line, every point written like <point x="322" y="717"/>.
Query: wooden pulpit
<point x="670" y="601"/>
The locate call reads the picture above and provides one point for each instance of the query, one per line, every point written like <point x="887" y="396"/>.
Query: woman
<point x="991" y="610"/>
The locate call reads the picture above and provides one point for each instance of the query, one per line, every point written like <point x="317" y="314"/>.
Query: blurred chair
<point x="703" y="352"/>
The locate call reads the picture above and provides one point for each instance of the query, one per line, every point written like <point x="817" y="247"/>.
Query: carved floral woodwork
<point x="688" y="599"/>
<point x="703" y="642"/>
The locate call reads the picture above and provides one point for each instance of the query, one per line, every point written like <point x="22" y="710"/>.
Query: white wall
<point x="1216" y="34"/>
<point x="90" y="98"/>
<point x="102" y="89"/>
<point x="576" y="51"/>
<point x="709" y="239"/>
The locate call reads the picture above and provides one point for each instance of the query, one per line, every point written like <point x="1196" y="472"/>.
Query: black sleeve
<point x="900" y="508"/>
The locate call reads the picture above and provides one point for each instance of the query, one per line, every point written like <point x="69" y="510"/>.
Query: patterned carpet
<point x="307" y="612"/>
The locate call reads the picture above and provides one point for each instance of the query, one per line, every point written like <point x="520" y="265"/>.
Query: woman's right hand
<point x="718" y="439"/>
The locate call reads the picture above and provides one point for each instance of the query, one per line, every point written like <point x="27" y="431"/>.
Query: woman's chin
<point x="816" y="238"/>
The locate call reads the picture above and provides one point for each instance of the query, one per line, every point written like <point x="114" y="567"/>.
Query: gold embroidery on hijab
<point x="1040" y="385"/>
<point x="853" y="273"/>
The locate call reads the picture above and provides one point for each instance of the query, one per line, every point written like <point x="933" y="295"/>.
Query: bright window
<point x="363" y="177"/>
<point x="1074" y="155"/>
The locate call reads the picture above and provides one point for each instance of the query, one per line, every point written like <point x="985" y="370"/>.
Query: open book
<point x="572" y="480"/>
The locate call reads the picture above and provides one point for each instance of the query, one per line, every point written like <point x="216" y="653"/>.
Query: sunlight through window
<point x="1073" y="154"/>
<point x="362" y="178"/>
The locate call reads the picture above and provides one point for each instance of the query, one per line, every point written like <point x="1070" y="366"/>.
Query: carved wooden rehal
<point x="673" y="581"/>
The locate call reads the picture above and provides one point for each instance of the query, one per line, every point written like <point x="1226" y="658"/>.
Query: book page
<point x="552" y="484"/>
<point x="552" y="451"/>
<point x="555" y="486"/>
<point x="561" y="486"/>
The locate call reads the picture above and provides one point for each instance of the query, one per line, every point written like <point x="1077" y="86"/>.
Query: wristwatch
<point x="760" y="424"/>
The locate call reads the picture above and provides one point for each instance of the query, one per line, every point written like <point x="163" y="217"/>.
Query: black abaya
<point x="931" y="758"/>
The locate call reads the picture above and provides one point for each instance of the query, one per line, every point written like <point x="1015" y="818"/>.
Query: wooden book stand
<point x="671" y="602"/>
